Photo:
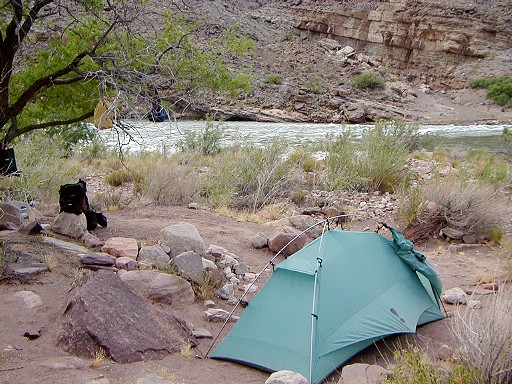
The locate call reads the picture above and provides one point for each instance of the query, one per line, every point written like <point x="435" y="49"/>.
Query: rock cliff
<point x="426" y="51"/>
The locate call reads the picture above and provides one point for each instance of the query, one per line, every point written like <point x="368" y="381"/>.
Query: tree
<point x="59" y="58"/>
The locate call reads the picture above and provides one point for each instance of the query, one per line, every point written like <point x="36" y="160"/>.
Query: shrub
<point x="167" y="183"/>
<point x="377" y="162"/>
<point x="274" y="79"/>
<point x="499" y="89"/>
<point x="118" y="177"/>
<point x="46" y="165"/>
<point x="368" y="80"/>
<point x="489" y="168"/>
<point x="413" y="367"/>
<point x="484" y="338"/>
<point x="472" y="208"/>
<point x="207" y="141"/>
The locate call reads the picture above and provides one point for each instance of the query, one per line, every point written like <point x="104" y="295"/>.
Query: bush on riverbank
<point x="499" y="89"/>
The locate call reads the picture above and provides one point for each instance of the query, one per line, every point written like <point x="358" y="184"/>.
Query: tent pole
<point x="314" y="316"/>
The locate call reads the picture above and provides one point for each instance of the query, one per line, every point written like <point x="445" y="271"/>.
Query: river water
<point x="149" y="136"/>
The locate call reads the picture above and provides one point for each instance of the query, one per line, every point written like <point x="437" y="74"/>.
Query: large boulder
<point x="287" y="235"/>
<point x="69" y="224"/>
<point x="104" y="312"/>
<point x="162" y="287"/>
<point x="182" y="237"/>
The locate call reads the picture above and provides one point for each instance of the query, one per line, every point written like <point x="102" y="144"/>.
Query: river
<point x="149" y="136"/>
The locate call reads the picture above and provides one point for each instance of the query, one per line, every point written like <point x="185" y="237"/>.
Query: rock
<point x="226" y="292"/>
<point x="347" y="51"/>
<point x="161" y="287"/>
<point x="209" y="303"/>
<point x="283" y="237"/>
<point x="30" y="228"/>
<point x="202" y="333"/>
<point x="91" y="240"/>
<point x="215" y="314"/>
<point x="121" y="247"/>
<point x="126" y="263"/>
<point x="182" y="237"/>
<point x="474" y="304"/>
<point x="456" y="248"/>
<point x="27" y="269"/>
<point x="260" y="241"/>
<point x="491" y="286"/>
<point x="65" y="362"/>
<point x="250" y="288"/>
<point x="104" y="311"/>
<point x="99" y="380"/>
<point x="10" y="212"/>
<point x="66" y="245"/>
<point x="241" y="269"/>
<point x="303" y="222"/>
<point x="228" y="260"/>
<point x="250" y="277"/>
<point x="329" y="44"/>
<point x="193" y="206"/>
<point x="69" y="224"/>
<point x="360" y="373"/>
<point x="286" y="377"/>
<point x="451" y="233"/>
<point x="216" y="251"/>
<point x="469" y="239"/>
<point x="445" y="352"/>
<point x="189" y="265"/>
<point x="30" y="299"/>
<point x="97" y="259"/>
<point x="209" y="265"/>
<point x="355" y="113"/>
<point x="153" y="255"/>
<point x="454" y="296"/>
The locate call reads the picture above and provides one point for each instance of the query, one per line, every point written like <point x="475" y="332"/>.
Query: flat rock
<point x="31" y="299"/>
<point x="161" y="287"/>
<point x="104" y="311"/>
<point x="121" y="247"/>
<point x="97" y="259"/>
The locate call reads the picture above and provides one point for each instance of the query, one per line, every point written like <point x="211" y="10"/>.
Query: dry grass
<point x="51" y="262"/>
<point x="99" y="358"/>
<point x="484" y="337"/>
<point x="186" y="350"/>
<point x="471" y="207"/>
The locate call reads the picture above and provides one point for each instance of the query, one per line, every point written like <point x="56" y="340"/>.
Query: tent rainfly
<point x="341" y="293"/>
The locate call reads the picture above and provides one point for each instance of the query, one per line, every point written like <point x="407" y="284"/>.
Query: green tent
<point x="333" y="298"/>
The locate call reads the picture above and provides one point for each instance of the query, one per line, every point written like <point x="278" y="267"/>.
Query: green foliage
<point x="118" y="177"/>
<point x="368" y="80"/>
<point x="58" y="80"/>
<point x="413" y="367"/>
<point x="207" y="141"/>
<point x="73" y="135"/>
<point x="377" y="162"/>
<point x="499" y="89"/>
<point x="287" y="36"/>
<point x="489" y="168"/>
<point x="256" y="176"/>
<point x="47" y="165"/>
<point x="274" y="79"/>
<point x="314" y="86"/>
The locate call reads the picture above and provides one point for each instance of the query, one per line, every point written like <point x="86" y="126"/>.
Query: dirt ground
<point x="41" y="361"/>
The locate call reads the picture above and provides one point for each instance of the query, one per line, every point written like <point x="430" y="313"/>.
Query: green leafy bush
<point x="274" y="79"/>
<point x="207" y="141"/>
<point x="499" y="89"/>
<point x="368" y="80"/>
<point x="376" y="162"/>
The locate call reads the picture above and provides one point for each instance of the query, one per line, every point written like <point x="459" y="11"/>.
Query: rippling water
<point x="164" y="136"/>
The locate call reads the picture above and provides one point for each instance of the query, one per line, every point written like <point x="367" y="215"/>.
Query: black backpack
<point x="73" y="199"/>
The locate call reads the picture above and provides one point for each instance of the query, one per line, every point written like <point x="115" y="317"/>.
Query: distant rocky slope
<point x="420" y="48"/>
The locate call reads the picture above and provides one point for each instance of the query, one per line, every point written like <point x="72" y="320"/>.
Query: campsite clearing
<point x="40" y="361"/>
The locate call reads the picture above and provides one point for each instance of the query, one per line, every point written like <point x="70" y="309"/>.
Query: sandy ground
<point x="40" y="361"/>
